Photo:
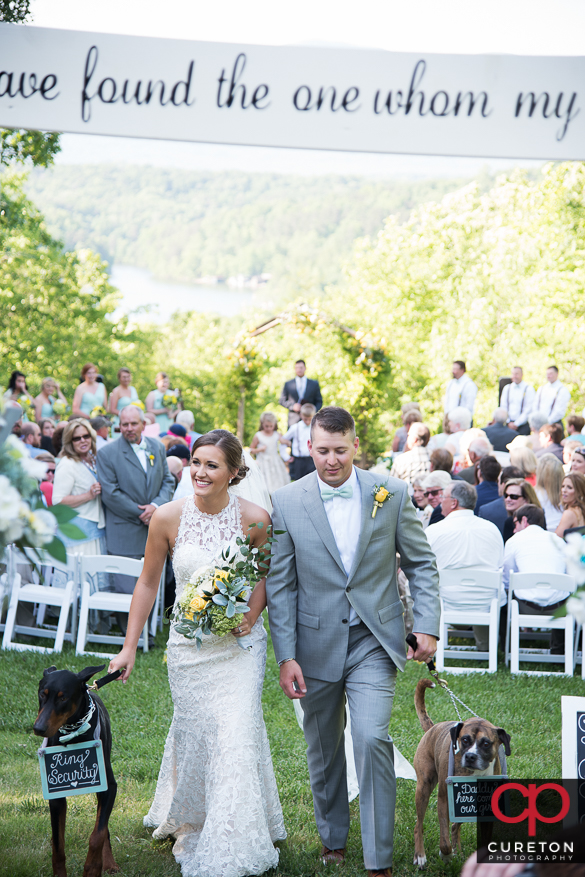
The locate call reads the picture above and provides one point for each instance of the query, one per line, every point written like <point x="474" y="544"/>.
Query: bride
<point x="216" y="792"/>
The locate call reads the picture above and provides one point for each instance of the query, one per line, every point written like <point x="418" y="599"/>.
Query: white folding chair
<point x="524" y="581"/>
<point x="42" y="594"/>
<point x="105" y="601"/>
<point x="156" y="621"/>
<point x="469" y="597"/>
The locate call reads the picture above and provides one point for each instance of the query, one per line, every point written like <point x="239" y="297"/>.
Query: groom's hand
<point x="426" y="648"/>
<point x="291" y="673"/>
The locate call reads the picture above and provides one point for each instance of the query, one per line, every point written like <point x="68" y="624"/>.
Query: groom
<point x="337" y="629"/>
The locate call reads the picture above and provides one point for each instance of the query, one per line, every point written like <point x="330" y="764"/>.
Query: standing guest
<point x="101" y="427"/>
<point x="459" y="422"/>
<point x="46" y="485"/>
<point x="298" y="391"/>
<point x="90" y="393"/>
<point x="573" y="500"/>
<point x="187" y="419"/>
<point x="531" y="550"/>
<point x="410" y="413"/>
<point x="496" y="511"/>
<point x="575" y="425"/>
<point x="265" y="448"/>
<point x="122" y="395"/>
<point x="474" y="446"/>
<point x="524" y="459"/>
<point x="550" y="436"/>
<point x="518" y="399"/>
<point x="135" y="481"/>
<point x="464" y="541"/>
<point x="155" y="402"/>
<point x="77" y="485"/>
<point x="297" y="438"/>
<point x="18" y="389"/>
<point x="488" y="470"/>
<point x="434" y="484"/>
<point x="50" y="392"/>
<point x="552" y="399"/>
<point x="497" y="432"/>
<point x="549" y="480"/>
<point x="461" y="390"/>
<point x="31" y="437"/>
<point x="517" y="493"/>
<point x="47" y="428"/>
<point x="536" y="421"/>
<point x="578" y="461"/>
<point x="416" y="459"/>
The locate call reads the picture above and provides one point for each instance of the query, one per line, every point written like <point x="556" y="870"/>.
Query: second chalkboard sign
<point x="78" y="769"/>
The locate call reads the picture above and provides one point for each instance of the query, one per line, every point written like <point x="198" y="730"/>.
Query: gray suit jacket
<point x="309" y="594"/>
<point x="125" y="486"/>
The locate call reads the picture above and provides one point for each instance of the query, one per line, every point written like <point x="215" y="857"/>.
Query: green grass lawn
<point x="529" y="708"/>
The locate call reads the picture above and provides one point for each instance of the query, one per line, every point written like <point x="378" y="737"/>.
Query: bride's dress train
<point x="216" y="791"/>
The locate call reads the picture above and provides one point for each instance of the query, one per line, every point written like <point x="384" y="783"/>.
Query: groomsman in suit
<point x="336" y="621"/>
<point x="298" y="391"/>
<point x="135" y="481"/>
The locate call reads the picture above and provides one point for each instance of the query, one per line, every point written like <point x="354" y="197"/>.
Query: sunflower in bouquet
<point x="216" y="596"/>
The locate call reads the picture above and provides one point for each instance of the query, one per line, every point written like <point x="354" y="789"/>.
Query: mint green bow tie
<point x="345" y="492"/>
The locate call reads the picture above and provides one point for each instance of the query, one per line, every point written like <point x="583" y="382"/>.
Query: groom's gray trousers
<point x="368" y="680"/>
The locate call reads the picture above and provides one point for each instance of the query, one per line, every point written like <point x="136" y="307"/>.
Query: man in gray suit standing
<point x="135" y="480"/>
<point x="337" y="627"/>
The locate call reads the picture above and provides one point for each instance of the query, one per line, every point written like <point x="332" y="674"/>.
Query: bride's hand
<point x="124" y="661"/>
<point x="245" y="626"/>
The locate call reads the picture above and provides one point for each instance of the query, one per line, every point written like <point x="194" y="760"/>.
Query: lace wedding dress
<point x="216" y="792"/>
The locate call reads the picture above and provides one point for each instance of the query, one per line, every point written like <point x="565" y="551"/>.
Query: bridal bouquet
<point x="216" y="596"/>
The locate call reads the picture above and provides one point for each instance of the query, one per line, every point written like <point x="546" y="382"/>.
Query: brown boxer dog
<point x="476" y="744"/>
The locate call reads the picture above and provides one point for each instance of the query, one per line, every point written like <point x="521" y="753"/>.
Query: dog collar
<point x="80" y="727"/>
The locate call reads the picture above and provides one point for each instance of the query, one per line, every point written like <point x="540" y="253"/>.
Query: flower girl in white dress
<point x="216" y="791"/>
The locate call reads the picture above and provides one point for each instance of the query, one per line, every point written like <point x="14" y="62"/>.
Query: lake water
<point x="140" y="290"/>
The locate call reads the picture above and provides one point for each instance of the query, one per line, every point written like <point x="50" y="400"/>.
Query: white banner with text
<point x="344" y="99"/>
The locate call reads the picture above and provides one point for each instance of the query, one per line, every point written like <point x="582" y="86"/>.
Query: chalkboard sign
<point x="470" y="798"/>
<point x="72" y="770"/>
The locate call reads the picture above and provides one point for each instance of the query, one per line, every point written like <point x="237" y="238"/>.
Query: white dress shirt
<point x="535" y="550"/>
<point x="301" y="387"/>
<point x="140" y="451"/>
<point x="299" y="435"/>
<point x="461" y="392"/>
<point x="345" y="520"/>
<point x="518" y="400"/>
<point x="552" y="400"/>
<point x="463" y="540"/>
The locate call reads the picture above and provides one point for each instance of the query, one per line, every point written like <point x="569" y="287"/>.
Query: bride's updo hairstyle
<point x="230" y="446"/>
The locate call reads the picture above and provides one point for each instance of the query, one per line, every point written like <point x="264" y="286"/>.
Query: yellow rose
<point x="197" y="604"/>
<point x="189" y="616"/>
<point x="381" y="495"/>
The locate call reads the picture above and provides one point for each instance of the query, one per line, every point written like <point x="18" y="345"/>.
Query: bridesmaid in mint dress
<point x="90" y="393"/>
<point x="122" y="395"/>
<point x="154" y="403"/>
<point x="17" y="389"/>
<point x="50" y="392"/>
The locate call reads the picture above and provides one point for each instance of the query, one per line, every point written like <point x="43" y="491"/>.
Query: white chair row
<point x="78" y="579"/>
<point x="471" y="597"/>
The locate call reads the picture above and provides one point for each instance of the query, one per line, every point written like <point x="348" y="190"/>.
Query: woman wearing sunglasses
<point x="76" y="485"/>
<point x="517" y="493"/>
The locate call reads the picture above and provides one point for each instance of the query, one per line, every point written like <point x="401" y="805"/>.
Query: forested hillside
<point x="182" y="225"/>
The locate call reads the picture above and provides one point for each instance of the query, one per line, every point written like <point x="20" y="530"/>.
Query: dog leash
<point x="99" y="683"/>
<point x="411" y="640"/>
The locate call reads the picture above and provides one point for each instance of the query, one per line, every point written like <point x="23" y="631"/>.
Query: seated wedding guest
<point x="122" y="395"/>
<point x="441" y="460"/>
<point x="536" y="421"/>
<point x="578" y="461"/>
<point x="495" y="511"/>
<point x="531" y="550"/>
<point x="575" y="425"/>
<point x="90" y="393"/>
<point x="415" y="460"/>
<point x="573" y="503"/>
<point x="178" y="430"/>
<point x="421" y="503"/>
<point x="498" y="432"/>
<point x="463" y="540"/>
<point x="30" y="435"/>
<point x="77" y="485"/>
<point x="44" y="402"/>
<point x="410" y="413"/>
<point x="297" y="438"/>
<point x="441" y="438"/>
<point x="459" y="422"/>
<point x="169" y="440"/>
<point x="549" y="479"/>
<point x="434" y="484"/>
<point x="524" y="459"/>
<point x="101" y="427"/>
<point x="187" y="419"/>
<point x="175" y="468"/>
<point x="568" y="448"/>
<point x="517" y="492"/>
<point x="488" y="470"/>
<point x="181" y="453"/>
<point x="47" y="428"/>
<point x="18" y="390"/>
<point x="474" y="446"/>
<point x="550" y="436"/>
<point x="155" y="404"/>
<point x="57" y="438"/>
<point x="46" y="485"/>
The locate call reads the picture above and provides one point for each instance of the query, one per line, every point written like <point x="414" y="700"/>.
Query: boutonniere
<point x="380" y="494"/>
<point x="151" y="458"/>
